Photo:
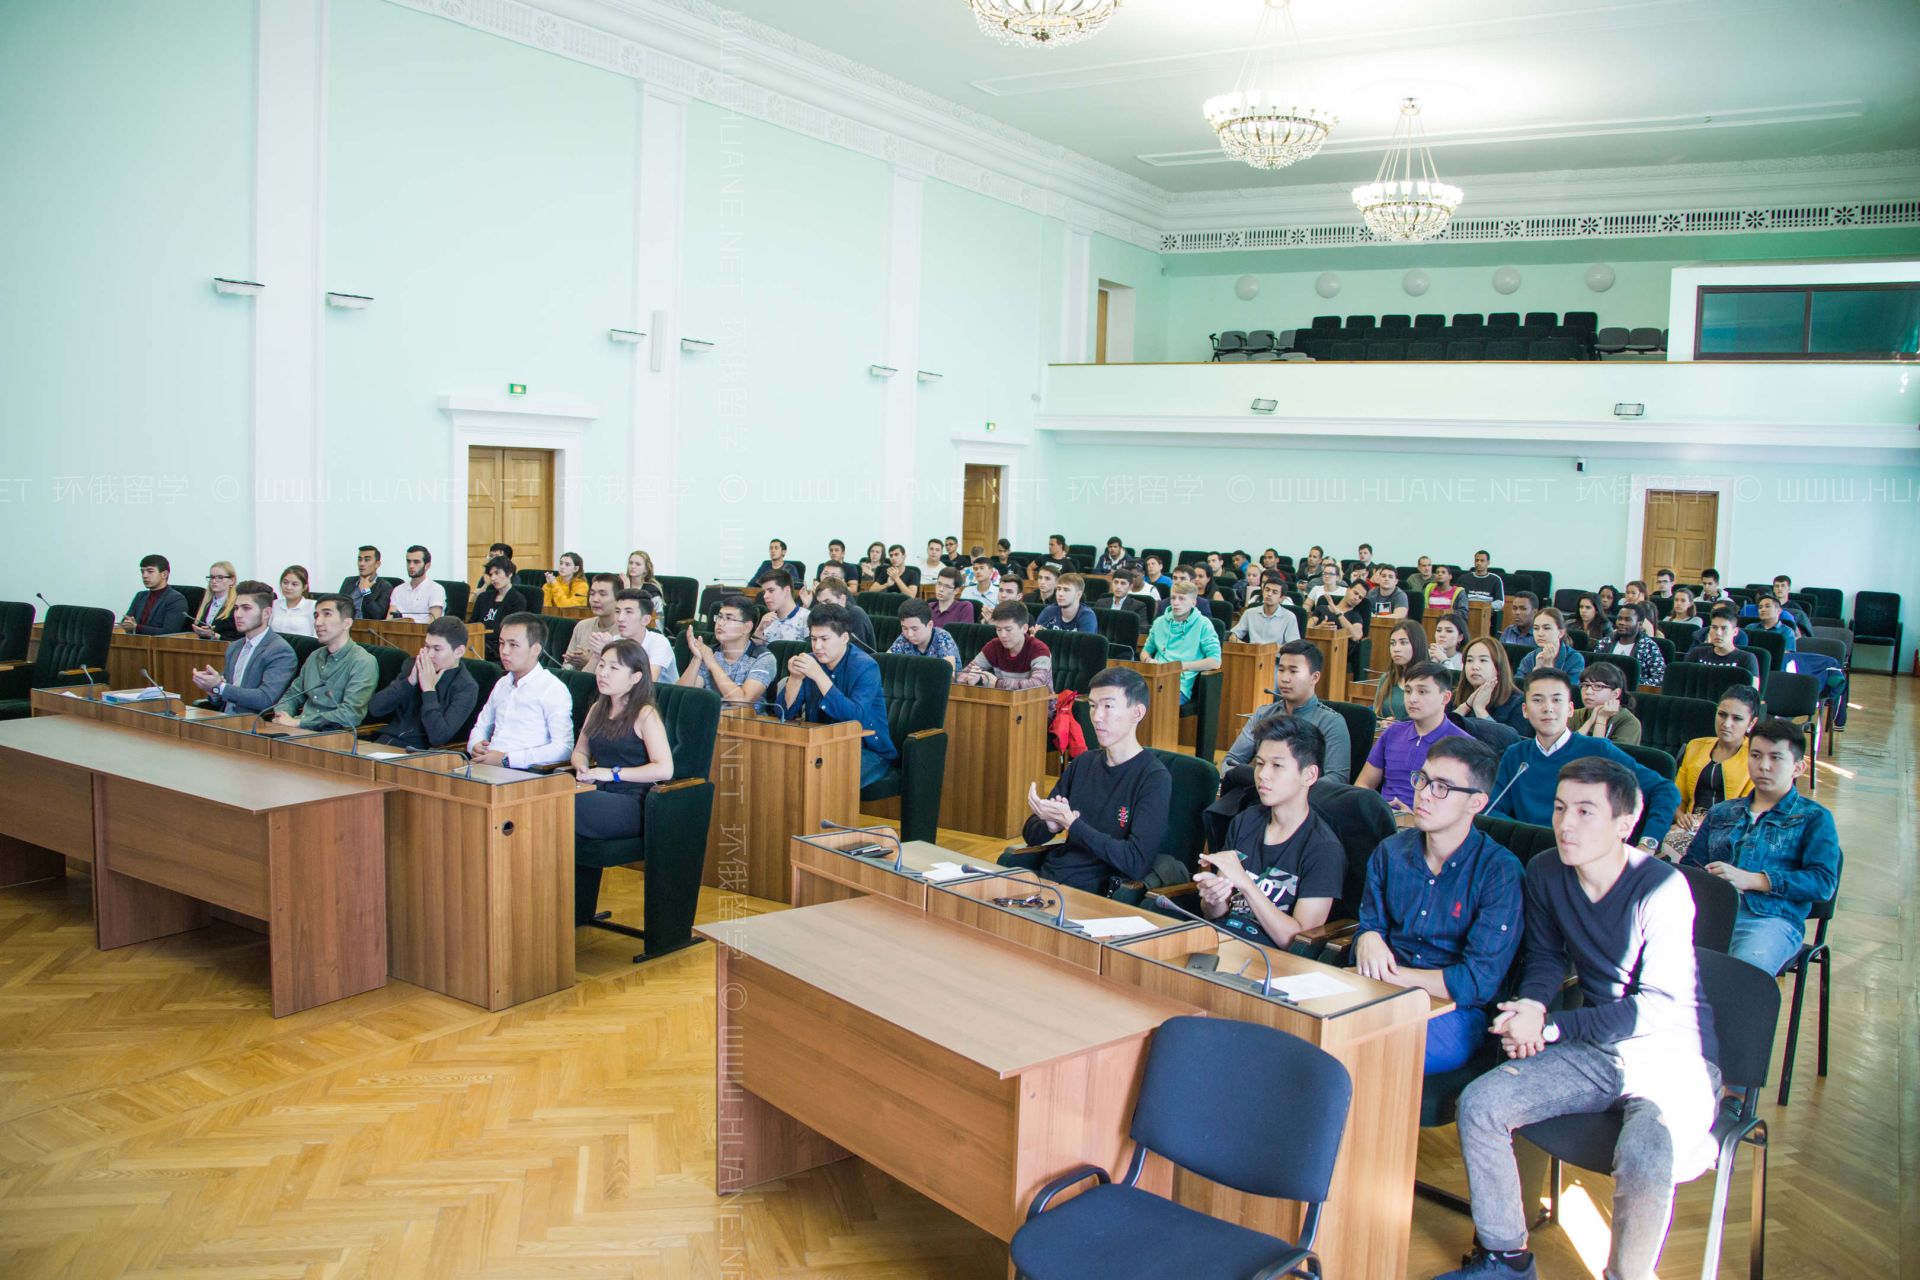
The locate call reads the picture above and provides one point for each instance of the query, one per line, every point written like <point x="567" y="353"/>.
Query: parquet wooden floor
<point x="156" y="1121"/>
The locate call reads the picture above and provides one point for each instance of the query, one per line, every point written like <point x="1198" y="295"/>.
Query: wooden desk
<point x="397" y="633"/>
<point x="1378" y="1031"/>
<point x="1333" y="660"/>
<point x="176" y="829"/>
<point x="823" y="873"/>
<point x="970" y="902"/>
<point x="176" y="658"/>
<point x="126" y="654"/>
<point x="969" y="1068"/>
<point x="1479" y="619"/>
<point x="773" y="780"/>
<point x="1380" y="656"/>
<point x="996" y="749"/>
<point x="1161" y="728"/>
<point x="1246" y="671"/>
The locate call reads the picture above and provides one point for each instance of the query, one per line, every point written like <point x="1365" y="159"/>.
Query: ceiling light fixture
<point x="1041" y="24"/>
<point x="1406" y="200"/>
<point x="1259" y="122"/>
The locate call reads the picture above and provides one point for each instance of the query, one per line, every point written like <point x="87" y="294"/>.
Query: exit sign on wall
<point x="516" y="388"/>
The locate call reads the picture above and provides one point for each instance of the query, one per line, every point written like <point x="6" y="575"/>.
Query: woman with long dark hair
<point x="1406" y="647"/>
<point x="622" y="750"/>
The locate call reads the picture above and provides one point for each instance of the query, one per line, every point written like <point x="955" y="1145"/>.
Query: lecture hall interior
<point x="758" y="639"/>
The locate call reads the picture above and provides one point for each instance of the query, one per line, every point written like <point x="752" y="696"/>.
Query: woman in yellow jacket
<point x="1715" y="769"/>
<point x="567" y="589"/>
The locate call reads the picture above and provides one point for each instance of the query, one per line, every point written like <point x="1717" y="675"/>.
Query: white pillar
<point x="289" y="224"/>
<point x="1076" y="296"/>
<point x="899" y="438"/>
<point x="657" y="247"/>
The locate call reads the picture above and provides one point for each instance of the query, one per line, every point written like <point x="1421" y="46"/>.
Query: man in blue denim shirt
<point x="1776" y="846"/>
<point x="1443" y="905"/>
<point x="836" y="682"/>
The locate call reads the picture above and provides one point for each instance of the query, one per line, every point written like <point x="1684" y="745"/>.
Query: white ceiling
<point x="1508" y="86"/>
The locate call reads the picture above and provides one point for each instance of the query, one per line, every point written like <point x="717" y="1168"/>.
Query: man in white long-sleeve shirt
<point x="528" y="719"/>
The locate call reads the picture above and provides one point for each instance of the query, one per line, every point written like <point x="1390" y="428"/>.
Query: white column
<point x="289" y="217"/>
<point x="1076" y="296"/>
<point x="899" y="438"/>
<point x="657" y="247"/>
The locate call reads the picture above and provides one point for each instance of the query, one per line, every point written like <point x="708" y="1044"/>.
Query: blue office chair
<point x="1115" y="1230"/>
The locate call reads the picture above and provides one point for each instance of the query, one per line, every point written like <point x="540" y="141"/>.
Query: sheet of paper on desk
<point x="1310" y="986"/>
<point x="943" y="871"/>
<point x="1115" y="926"/>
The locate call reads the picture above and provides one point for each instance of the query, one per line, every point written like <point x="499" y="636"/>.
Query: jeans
<point x="872" y="768"/>
<point x="1666" y="1100"/>
<point x="1453" y="1038"/>
<point x="1768" y="942"/>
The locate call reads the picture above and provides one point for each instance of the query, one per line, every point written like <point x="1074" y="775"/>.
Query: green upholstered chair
<point x="886" y="629"/>
<point x="1702" y="680"/>
<point x="678" y="598"/>
<point x="584" y="688"/>
<point x="1628" y="664"/>
<point x="534" y="579"/>
<point x="73" y="650"/>
<point x="1775" y="646"/>
<point x="303" y="647"/>
<point x="1195" y="783"/>
<point x="485" y="675"/>
<point x="879" y="602"/>
<point x="1523" y="839"/>
<point x="16" y="629"/>
<point x="1078" y="656"/>
<point x="459" y="596"/>
<point x="1669" y="723"/>
<point x="559" y="634"/>
<point x="673" y="840"/>
<point x="1204" y="709"/>
<point x="916" y="692"/>
<point x="1122" y="630"/>
<point x="390" y="661"/>
<point x="970" y="638"/>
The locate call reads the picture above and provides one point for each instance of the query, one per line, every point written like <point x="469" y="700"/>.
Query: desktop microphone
<point x="165" y="697"/>
<point x="1510" y="781"/>
<point x="1161" y="902"/>
<point x="899" y="850"/>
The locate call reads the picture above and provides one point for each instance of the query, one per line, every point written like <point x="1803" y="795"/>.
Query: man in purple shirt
<point x="1400" y="751"/>
<point x="948" y="607"/>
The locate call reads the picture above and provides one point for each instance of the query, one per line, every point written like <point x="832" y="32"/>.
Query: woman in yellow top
<point x="1715" y="769"/>
<point x="567" y="589"/>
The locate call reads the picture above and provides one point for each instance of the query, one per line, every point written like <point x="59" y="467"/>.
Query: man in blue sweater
<point x="1642" y="1043"/>
<point x="835" y="682"/>
<point x="1524" y="789"/>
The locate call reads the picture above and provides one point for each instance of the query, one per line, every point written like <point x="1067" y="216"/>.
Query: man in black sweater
<point x="1482" y="585"/>
<point x="430" y="702"/>
<point x="1642" y="1044"/>
<point x="1112" y="803"/>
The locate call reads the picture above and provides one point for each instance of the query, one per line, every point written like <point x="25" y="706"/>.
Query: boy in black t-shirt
<point x="1282" y="866"/>
<point x="1111" y="803"/>
<point x="1719" y="649"/>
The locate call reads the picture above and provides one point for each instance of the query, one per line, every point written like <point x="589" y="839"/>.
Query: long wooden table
<point x="478" y="866"/>
<point x="172" y="829"/>
<point x="1377" y="1030"/>
<point x="968" y="1067"/>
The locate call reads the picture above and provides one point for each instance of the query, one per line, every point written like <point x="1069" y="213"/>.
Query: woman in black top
<point x="492" y="606"/>
<point x="622" y="750"/>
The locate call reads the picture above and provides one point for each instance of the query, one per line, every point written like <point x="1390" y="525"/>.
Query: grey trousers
<point x="1667" y="1101"/>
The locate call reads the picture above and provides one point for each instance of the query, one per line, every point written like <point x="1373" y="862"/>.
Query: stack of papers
<point x="940" y="872"/>
<point x="1114" y="926"/>
<point x="137" y="695"/>
<point x="1309" y="986"/>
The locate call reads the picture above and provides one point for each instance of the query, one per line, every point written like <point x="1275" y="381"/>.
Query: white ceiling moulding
<point x="721" y="57"/>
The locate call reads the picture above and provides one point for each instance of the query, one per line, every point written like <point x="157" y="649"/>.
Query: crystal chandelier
<point x="1041" y="24"/>
<point x="1259" y="122"/>
<point x="1406" y="200"/>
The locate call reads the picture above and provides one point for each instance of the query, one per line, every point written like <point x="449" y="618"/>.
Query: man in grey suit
<point x="260" y="664"/>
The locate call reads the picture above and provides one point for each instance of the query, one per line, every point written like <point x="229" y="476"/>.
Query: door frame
<point x="1725" y="489"/>
<point x="493" y="421"/>
<point x="993" y="453"/>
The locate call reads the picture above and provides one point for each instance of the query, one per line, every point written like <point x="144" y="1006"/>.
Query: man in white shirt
<point x="633" y="619"/>
<point x="1268" y="622"/>
<point x="528" y="719"/>
<point x="419" y="598"/>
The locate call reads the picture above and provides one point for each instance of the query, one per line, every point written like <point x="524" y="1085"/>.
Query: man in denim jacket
<point x="1776" y="846"/>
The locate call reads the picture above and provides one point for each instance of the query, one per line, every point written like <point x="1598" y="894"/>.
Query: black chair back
<point x="1650" y="757"/>
<point x="679" y="597"/>
<point x="1525" y="840"/>
<point x="886" y="629"/>
<point x="459" y="596"/>
<point x="1361" y="723"/>
<point x="880" y="602"/>
<point x="304" y="646"/>
<point x="1876" y="614"/>
<point x="559" y="634"/>
<point x="692" y="721"/>
<point x="1078" y="657"/>
<point x="1361" y="819"/>
<point x="16" y="629"/>
<point x="74" y="636"/>
<point x="1670" y="723"/>
<point x="1235" y="1147"/>
<point x="1702" y="680"/>
<point x="390" y="661"/>
<point x="1772" y="643"/>
<point x="1790" y="695"/>
<point x="1715" y="904"/>
<point x="1625" y="663"/>
<point x="1195" y="783"/>
<point x="584" y="688"/>
<point x="1122" y="631"/>
<point x="1745" y="1000"/>
<point x="196" y="596"/>
<point x="916" y="692"/>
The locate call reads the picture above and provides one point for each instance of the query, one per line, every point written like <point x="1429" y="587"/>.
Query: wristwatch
<point x="616" y="773"/>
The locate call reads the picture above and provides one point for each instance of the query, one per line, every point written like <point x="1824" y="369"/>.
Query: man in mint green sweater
<point x="1183" y="635"/>
<point x="1530" y="769"/>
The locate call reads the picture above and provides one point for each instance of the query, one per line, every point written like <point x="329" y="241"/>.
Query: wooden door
<point x="980" y="509"/>
<point x="510" y="499"/>
<point x="1679" y="533"/>
<point x="1100" y="328"/>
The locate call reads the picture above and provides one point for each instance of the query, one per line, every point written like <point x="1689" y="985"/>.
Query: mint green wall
<point x="1530" y="512"/>
<point x="126" y="375"/>
<point x="483" y="193"/>
<point x="1142" y="270"/>
<point x="786" y="270"/>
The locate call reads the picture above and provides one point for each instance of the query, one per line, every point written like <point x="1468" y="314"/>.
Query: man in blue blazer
<point x="260" y="664"/>
<point x="159" y="610"/>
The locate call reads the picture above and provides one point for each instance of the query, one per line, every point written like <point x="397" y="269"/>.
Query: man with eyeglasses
<point x="1443" y="905"/>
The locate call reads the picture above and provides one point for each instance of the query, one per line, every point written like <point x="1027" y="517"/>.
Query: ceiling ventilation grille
<point x="1886" y="213"/>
